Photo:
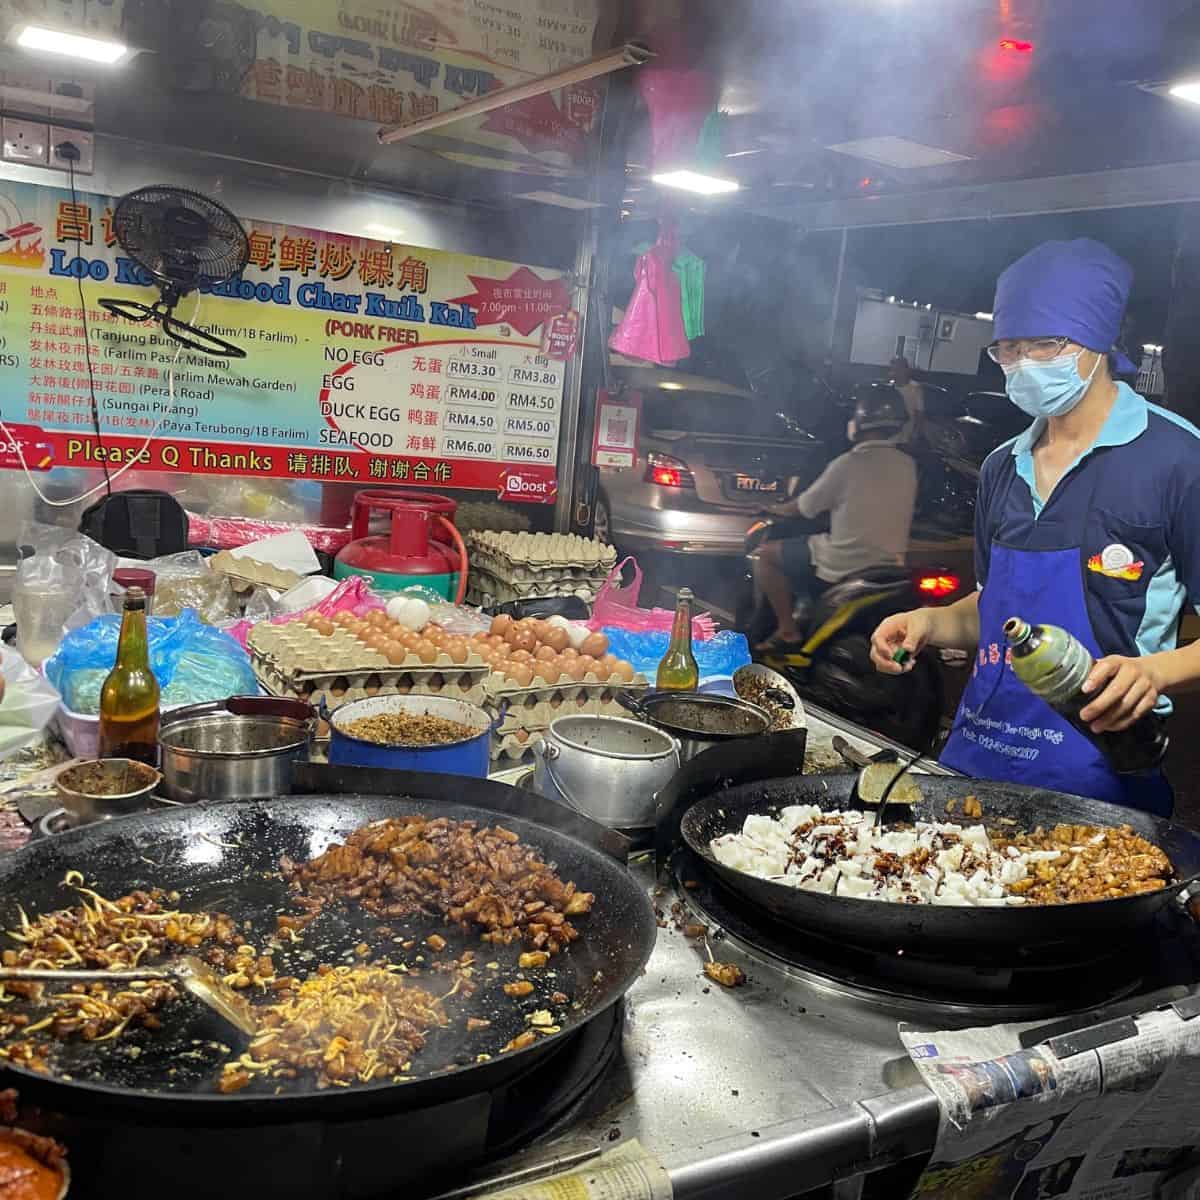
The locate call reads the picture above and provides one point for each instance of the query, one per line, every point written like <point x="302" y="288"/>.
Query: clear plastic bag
<point x="183" y="580"/>
<point x="618" y="606"/>
<point x="192" y="662"/>
<point x="29" y="703"/>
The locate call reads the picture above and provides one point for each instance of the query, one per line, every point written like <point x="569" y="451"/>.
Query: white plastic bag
<point x="29" y="703"/>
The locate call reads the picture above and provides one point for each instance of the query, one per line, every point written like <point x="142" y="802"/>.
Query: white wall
<point x="879" y="326"/>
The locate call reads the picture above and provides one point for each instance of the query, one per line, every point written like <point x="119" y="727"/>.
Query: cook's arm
<point x="955" y="627"/>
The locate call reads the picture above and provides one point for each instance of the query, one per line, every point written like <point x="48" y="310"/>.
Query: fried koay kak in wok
<point x="410" y="946"/>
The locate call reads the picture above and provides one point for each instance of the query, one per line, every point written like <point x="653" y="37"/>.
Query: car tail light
<point x="938" y="586"/>
<point x="667" y="471"/>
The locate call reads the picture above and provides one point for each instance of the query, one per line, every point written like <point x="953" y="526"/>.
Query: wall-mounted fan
<point x="183" y="239"/>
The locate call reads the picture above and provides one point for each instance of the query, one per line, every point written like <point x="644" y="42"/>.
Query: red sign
<point x="614" y="440"/>
<point x="560" y="336"/>
<point x="522" y="300"/>
<point x="34" y="445"/>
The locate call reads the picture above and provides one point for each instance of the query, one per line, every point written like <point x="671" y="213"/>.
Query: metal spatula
<point x="196" y="977"/>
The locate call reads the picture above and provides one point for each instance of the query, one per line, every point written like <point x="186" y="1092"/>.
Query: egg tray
<point x="541" y="551"/>
<point x="537" y="716"/>
<point x="508" y="749"/>
<point x="295" y="650"/>
<point x="538" y="572"/>
<point x="485" y="588"/>
<point x="590" y="684"/>
<point x="394" y="681"/>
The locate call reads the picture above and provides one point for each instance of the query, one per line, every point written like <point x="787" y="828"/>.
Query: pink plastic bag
<point x="617" y="607"/>
<point x="652" y="327"/>
<point x="352" y="595"/>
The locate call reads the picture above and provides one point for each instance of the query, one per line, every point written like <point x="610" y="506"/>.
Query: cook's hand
<point x="1123" y="691"/>
<point x="908" y="631"/>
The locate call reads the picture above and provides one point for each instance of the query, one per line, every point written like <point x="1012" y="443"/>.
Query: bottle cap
<point x="901" y="656"/>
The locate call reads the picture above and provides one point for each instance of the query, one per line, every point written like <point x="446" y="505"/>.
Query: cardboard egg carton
<point x="501" y="688"/>
<point x="394" y="681"/>
<point x="486" y="589"/>
<point x="510" y="748"/>
<point x="533" y="718"/>
<point x="515" y="553"/>
<point x="296" y="650"/>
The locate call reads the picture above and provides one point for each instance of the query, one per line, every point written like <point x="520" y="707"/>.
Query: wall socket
<point x="26" y="142"/>
<point x="82" y="140"/>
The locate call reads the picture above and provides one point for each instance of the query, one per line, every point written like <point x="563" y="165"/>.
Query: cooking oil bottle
<point x="678" y="671"/>
<point x="129" y="698"/>
<point x="1053" y="665"/>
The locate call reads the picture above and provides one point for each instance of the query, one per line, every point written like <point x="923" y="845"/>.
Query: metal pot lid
<point x="705" y="716"/>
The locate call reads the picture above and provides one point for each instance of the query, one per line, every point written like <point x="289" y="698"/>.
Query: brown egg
<point x="323" y="627"/>
<point x="395" y="653"/>
<point x="568" y="651"/>
<point x="479" y="639"/>
<point x="589" y="664"/>
<point x="551" y="672"/>
<point x="501" y="624"/>
<point x="426" y="651"/>
<point x="342" y="618"/>
<point x="377" y="617"/>
<point x="457" y="649"/>
<point x="432" y="627"/>
<point x="573" y="667"/>
<point x="525" y="641"/>
<point x="556" y="639"/>
<point x="595" y="644"/>
<point x="624" y="671"/>
<point x="539" y="627"/>
<point x="520" y="656"/>
<point x="545" y="654"/>
<point x="520" y="674"/>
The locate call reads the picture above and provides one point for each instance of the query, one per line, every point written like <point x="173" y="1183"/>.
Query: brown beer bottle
<point x="129" y="698"/>
<point x="678" y="671"/>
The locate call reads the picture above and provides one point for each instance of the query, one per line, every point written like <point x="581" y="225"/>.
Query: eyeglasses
<point x="1038" y="349"/>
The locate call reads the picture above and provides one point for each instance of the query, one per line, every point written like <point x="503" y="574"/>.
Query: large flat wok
<point x="225" y="857"/>
<point x="1074" y="930"/>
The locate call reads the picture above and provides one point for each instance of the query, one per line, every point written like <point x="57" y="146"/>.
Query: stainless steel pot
<point x="698" y="720"/>
<point x="607" y="768"/>
<point x="242" y="748"/>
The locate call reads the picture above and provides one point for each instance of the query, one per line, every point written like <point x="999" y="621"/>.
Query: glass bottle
<point x="129" y="698"/>
<point x="678" y="671"/>
<point x="1053" y="665"/>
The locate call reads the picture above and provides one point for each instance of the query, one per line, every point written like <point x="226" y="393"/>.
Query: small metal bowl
<point x="107" y="787"/>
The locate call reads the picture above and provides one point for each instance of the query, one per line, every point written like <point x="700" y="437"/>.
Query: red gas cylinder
<point x="409" y="553"/>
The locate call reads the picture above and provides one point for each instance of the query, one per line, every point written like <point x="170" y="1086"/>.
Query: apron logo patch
<point x="1117" y="562"/>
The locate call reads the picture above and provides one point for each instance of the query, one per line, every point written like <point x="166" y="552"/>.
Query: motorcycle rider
<point x="914" y="398"/>
<point x="869" y="492"/>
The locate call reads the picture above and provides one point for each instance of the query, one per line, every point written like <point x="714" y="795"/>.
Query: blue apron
<point x="1002" y="730"/>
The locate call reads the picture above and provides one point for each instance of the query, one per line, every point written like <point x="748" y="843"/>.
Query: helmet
<point x="879" y="407"/>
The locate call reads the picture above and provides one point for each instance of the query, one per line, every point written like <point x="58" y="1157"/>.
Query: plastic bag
<point x="652" y="327"/>
<point x="183" y="580"/>
<point x="352" y="595"/>
<point x="192" y="662"/>
<point x="722" y="654"/>
<point x="618" y="606"/>
<point x="29" y="703"/>
<point x="229" y="533"/>
<point x="66" y="555"/>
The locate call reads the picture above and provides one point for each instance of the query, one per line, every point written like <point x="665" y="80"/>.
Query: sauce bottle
<point x="1054" y="665"/>
<point x="678" y="671"/>
<point x="129" y="697"/>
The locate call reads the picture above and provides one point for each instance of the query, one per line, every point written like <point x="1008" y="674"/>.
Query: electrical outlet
<point x="79" y="138"/>
<point x="25" y="142"/>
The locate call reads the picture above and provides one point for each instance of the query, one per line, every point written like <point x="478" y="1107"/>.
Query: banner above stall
<point x="397" y="61"/>
<point x="366" y="362"/>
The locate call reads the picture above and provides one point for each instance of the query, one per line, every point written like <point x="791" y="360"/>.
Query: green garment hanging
<point x="690" y="270"/>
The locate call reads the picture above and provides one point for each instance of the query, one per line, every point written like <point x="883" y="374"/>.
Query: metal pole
<point x="837" y="292"/>
<point x="568" y="434"/>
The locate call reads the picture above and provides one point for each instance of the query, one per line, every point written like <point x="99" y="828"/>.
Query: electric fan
<point x="183" y="239"/>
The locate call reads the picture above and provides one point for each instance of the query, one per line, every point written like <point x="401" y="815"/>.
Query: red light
<point x="865" y="181"/>
<point x="666" y="471"/>
<point x="938" y="587"/>
<point x="666" y="477"/>
<point x="1016" y="46"/>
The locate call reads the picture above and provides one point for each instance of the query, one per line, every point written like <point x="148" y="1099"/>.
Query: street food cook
<point x="942" y="863"/>
<point x="1088" y="520"/>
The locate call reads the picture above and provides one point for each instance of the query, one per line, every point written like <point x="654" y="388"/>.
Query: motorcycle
<point x="832" y="667"/>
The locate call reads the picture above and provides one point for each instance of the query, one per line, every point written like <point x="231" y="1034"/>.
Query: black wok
<point x="1070" y="930"/>
<point x="225" y="857"/>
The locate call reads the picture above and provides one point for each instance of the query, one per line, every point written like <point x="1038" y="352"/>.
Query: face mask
<point x="1047" y="389"/>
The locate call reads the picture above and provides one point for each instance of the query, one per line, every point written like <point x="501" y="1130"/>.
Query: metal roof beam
<point x="1125" y="187"/>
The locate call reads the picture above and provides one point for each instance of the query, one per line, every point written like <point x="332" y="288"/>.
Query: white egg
<point x="578" y="634"/>
<point x="409" y="611"/>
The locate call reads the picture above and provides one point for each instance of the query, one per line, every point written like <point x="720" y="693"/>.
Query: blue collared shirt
<point x="1134" y="499"/>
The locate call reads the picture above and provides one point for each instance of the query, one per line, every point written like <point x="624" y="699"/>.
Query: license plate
<point x="752" y="483"/>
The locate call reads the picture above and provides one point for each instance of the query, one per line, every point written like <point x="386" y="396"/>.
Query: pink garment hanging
<point x="652" y="327"/>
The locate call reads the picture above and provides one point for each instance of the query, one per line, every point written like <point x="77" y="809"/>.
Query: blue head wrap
<point x="1073" y="289"/>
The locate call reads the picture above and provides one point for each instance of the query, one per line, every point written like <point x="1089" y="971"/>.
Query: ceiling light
<point x="985" y="316"/>
<point x="73" y="45"/>
<point x="1188" y="90"/>
<point x="744" y="153"/>
<point x="671" y="387"/>
<point x="692" y="181"/>
<point x="385" y="233"/>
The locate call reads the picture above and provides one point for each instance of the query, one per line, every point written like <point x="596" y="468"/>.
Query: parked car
<point x="711" y="457"/>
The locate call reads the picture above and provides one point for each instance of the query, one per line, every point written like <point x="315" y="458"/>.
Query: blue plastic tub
<point x="466" y="757"/>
